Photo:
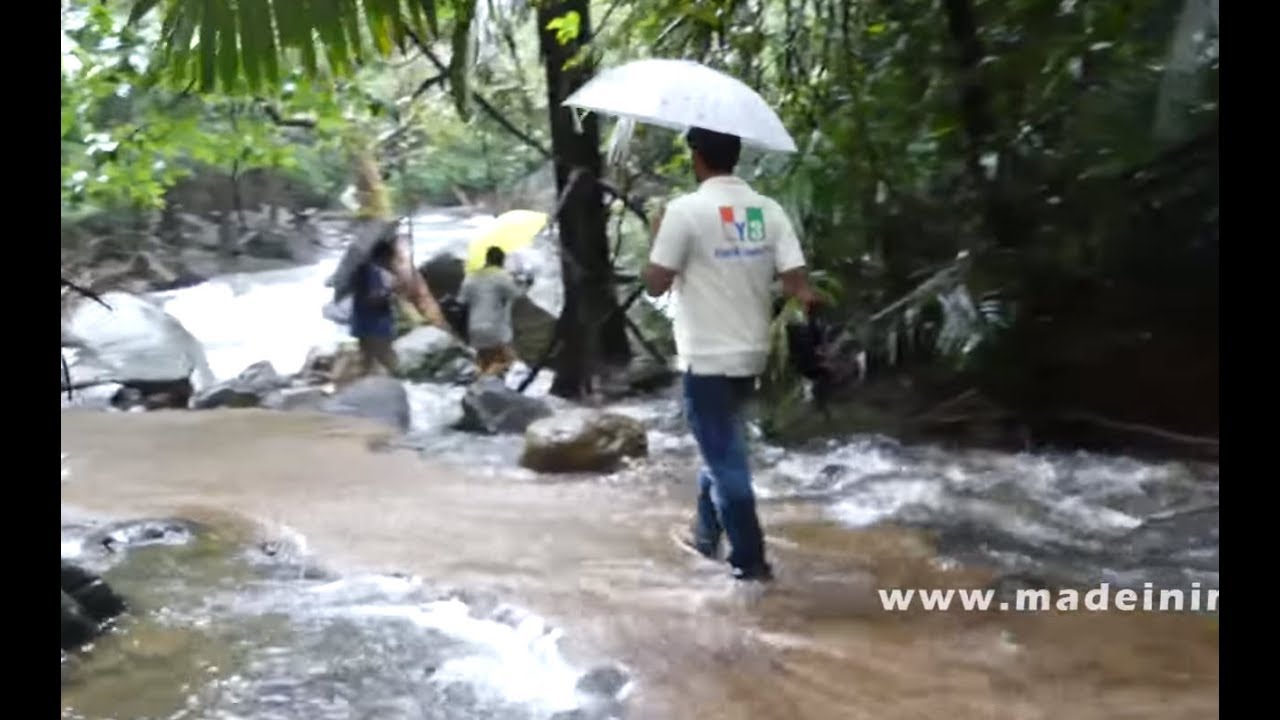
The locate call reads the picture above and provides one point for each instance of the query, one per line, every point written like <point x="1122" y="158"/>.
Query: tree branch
<point x="484" y="104"/>
<point x="426" y="85"/>
<point x="85" y="292"/>
<point x="274" y="113"/>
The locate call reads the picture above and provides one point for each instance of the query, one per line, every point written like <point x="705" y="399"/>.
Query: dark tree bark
<point x="591" y="331"/>
<point x="1005" y="221"/>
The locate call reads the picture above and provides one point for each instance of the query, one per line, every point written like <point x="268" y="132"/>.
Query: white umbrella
<point x="680" y="94"/>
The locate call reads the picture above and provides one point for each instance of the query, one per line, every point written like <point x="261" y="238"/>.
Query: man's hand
<point x="795" y="283"/>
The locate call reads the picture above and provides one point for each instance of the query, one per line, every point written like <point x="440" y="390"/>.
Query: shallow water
<point x="593" y="557"/>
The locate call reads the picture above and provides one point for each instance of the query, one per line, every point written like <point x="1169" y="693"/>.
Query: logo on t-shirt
<point x="743" y="225"/>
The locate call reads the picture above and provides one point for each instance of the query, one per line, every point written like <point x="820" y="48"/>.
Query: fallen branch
<point x="85" y="292"/>
<point x="1140" y="429"/>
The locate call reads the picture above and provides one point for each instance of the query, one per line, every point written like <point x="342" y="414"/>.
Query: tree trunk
<point x="591" y="328"/>
<point x="1004" y="220"/>
<point x="416" y="305"/>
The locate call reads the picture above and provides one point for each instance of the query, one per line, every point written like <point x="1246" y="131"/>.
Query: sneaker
<point x="760" y="573"/>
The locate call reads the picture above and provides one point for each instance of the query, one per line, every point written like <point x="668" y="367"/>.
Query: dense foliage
<point x="1023" y="193"/>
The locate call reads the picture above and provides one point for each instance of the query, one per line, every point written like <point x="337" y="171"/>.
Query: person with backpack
<point x="489" y="295"/>
<point x="373" y="320"/>
<point x="719" y="249"/>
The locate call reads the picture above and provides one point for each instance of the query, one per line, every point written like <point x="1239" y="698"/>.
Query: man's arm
<point x="791" y="265"/>
<point x="667" y="255"/>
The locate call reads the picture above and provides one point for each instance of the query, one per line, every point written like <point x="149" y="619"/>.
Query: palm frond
<point x="238" y="45"/>
<point x="941" y="314"/>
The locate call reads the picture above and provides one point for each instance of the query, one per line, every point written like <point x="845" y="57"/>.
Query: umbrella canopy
<point x="680" y="94"/>
<point x="368" y="234"/>
<point x="513" y="230"/>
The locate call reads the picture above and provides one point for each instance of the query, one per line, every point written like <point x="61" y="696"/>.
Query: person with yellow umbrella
<point x="489" y="291"/>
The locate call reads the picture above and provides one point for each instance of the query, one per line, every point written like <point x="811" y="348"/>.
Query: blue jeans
<point x="726" y="501"/>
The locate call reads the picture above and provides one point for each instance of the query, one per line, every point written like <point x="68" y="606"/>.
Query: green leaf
<point x="228" y="55"/>
<point x="208" y="45"/>
<point x="567" y="27"/>
<point x="351" y="21"/>
<point x="876" y="29"/>
<point x="251" y="45"/>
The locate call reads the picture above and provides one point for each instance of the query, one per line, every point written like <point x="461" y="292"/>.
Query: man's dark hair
<point x="494" y="257"/>
<point x="719" y="151"/>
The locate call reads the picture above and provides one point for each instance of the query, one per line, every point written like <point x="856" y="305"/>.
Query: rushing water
<point x="592" y="552"/>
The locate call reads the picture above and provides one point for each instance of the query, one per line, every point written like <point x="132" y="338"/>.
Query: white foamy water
<point x="276" y="315"/>
<point x="519" y="661"/>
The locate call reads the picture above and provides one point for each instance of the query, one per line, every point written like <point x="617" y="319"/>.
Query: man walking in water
<point x="720" y="248"/>
<point x="373" y="322"/>
<point x="489" y="294"/>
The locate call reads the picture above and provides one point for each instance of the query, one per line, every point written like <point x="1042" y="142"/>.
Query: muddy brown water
<point x="597" y="559"/>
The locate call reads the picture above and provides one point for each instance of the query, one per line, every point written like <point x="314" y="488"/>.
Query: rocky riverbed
<point x="320" y="520"/>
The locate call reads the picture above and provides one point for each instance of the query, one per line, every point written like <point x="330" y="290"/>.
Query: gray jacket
<point x="489" y="295"/>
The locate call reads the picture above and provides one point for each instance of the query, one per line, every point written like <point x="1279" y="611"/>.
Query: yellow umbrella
<point x="513" y="230"/>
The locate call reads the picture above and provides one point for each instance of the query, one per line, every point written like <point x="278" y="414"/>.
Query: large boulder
<point x="443" y="274"/>
<point x="377" y="398"/>
<point x="248" y="389"/>
<point x="491" y="407"/>
<point x="429" y="354"/>
<point x="87" y="604"/>
<point x="133" y="342"/>
<point x="582" y="440"/>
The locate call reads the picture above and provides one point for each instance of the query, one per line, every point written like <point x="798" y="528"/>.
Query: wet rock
<point x="161" y="395"/>
<point x="133" y="342"/>
<point x="490" y="407"/>
<point x="94" y="397"/>
<point x="605" y="681"/>
<point x="87" y="603"/>
<point x="644" y="375"/>
<point x="298" y="398"/>
<point x="118" y="537"/>
<point x="268" y="243"/>
<point x="533" y="329"/>
<point x="377" y="398"/>
<point x="248" y="389"/>
<point x="430" y="354"/>
<point x="77" y="628"/>
<point x="582" y="441"/>
<point x="443" y="274"/>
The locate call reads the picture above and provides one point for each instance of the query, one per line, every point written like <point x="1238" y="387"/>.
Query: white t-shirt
<point x="726" y="242"/>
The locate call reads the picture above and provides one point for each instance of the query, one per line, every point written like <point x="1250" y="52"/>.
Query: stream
<point x="280" y="568"/>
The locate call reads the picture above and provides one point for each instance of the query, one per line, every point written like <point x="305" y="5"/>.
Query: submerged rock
<point x="377" y="398"/>
<point x="583" y="441"/>
<point x="491" y="407"/>
<point x="160" y="395"/>
<point x="87" y="604"/>
<point x="248" y="389"/>
<point x="94" y="397"/>
<point x="429" y="354"/>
